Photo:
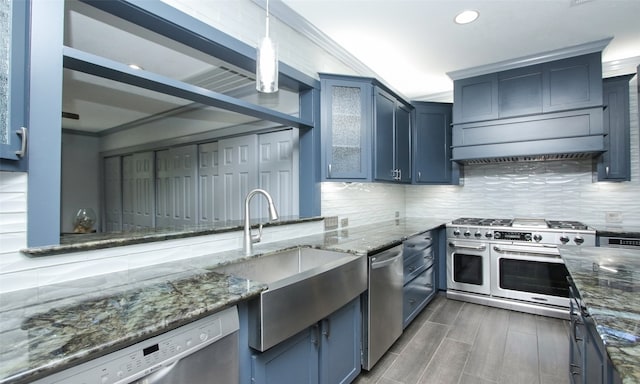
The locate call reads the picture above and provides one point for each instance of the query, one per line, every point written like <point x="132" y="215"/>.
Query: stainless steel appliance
<point x="382" y="305"/>
<point x="620" y="242"/>
<point x="204" y="351"/>
<point x="512" y="263"/>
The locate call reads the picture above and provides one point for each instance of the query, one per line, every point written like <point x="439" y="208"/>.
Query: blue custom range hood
<point x="542" y="107"/>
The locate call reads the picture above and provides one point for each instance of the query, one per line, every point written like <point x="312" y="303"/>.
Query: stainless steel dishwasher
<point x="204" y="351"/>
<point x="382" y="305"/>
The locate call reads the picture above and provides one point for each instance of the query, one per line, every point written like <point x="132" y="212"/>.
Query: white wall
<point x="80" y="178"/>
<point x="363" y="203"/>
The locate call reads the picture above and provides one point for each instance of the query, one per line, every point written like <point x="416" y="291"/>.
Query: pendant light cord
<point x="267" y="23"/>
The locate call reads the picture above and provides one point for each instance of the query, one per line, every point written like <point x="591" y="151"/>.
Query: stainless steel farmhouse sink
<point x="305" y="286"/>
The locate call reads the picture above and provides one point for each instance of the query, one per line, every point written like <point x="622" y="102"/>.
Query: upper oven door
<point x="530" y="273"/>
<point x="468" y="266"/>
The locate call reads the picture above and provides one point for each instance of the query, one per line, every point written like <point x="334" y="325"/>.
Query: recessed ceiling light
<point x="466" y="17"/>
<point x="135" y="66"/>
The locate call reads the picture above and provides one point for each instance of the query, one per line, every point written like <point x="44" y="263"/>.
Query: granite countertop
<point x="608" y="281"/>
<point x="78" y="242"/>
<point x="48" y="329"/>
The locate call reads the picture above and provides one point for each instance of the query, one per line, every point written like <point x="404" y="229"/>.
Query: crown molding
<point x="538" y="58"/>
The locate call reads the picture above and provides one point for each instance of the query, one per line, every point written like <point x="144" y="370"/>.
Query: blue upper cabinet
<point x="346" y="128"/>
<point x="366" y="131"/>
<point x="13" y="84"/>
<point x="476" y="98"/>
<point x="431" y="134"/>
<point x="542" y="88"/>
<point x="392" y="139"/>
<point x="615" y="163"/>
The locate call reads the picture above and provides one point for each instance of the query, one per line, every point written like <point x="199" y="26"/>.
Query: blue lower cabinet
<point x="340" y="347"/>
<point x="293" y="361"/>
<point x="417" y="294"/>
<point x="327" y="352"/>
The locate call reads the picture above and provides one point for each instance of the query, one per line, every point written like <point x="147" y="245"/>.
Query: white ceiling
<point x="412" y="44"/>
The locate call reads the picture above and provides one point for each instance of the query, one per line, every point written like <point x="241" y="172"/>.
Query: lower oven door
<point x="535" y="274"/>
<point x="468" y="266"/>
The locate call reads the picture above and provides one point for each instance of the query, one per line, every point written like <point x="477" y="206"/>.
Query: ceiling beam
<point x="99" y="66"/>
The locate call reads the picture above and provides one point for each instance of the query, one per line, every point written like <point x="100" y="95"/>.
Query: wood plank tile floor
<point x="453" y="342"/>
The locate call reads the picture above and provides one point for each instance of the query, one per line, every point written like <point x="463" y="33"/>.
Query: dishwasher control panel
<point x="151" y="355"/>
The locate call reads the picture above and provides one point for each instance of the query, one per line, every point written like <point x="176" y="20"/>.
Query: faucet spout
<point x="249" y="239"/>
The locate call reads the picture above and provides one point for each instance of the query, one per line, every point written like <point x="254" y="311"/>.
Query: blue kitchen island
<point x="605" y="318"/>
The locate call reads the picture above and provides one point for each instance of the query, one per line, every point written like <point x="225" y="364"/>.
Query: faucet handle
<point x="257" y="237"/>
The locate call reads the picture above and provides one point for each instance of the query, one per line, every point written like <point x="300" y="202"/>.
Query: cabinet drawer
<point x="416" y="263"/>
<point x="416" y="294"/>
<point x="417" y="244"/>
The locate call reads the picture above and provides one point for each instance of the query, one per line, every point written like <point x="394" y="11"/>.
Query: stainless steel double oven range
<point x="512" y="263"/>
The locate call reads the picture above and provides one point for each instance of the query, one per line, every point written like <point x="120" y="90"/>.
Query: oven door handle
<point x="474" y="247"/>
<point x="540" y="253"/>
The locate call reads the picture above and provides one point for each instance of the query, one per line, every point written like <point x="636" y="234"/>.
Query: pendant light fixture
<point x="267" y="63"/>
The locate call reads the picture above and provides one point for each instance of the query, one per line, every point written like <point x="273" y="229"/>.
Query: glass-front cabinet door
<point x="346" y="129"/>
<point x="13" y="68"/>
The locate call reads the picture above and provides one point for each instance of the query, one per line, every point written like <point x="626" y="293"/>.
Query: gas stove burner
<point x="563" y="224"/>
<point x="483" y="222"/>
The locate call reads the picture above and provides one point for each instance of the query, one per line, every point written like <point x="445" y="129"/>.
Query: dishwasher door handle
<point x="387" y="261"/>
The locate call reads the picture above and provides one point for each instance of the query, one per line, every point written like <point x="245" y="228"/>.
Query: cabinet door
<point x="595" y="359"/>
<point x="176" y="187"/>
<point x="138" y="191"/>
<point x="432" y="145"/>
<point x="614" y="164"/>
<point x="520" y="91"/>
<point x="476" y="99"/>
<point x="112" y="194"/>
<point x="571" y="83"/>
<point x="13" y="81"/>
<point x="403" y="144"/>
<point x="293" y="361"/>
<point x="346" y="132"/>
<point x="576" y="343"/>
<point x="384" y="136"/>
<point x="340" y="348"/>
<point x="416" y="294"/>
<point x="238" y="176"/>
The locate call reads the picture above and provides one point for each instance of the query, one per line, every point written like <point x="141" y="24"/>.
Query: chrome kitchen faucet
<point x="249" y="239"/>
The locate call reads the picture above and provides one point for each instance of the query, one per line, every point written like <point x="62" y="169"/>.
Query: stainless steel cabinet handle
<point x="419" y="175"/>
<point x="606" y="169"/>
<point x="315" y="336"/>
<point x="329" y="168"/>
<point x="386" y="261"/>
<point x="326" y="328"/>
<point x="382" y="264"/>
<point x="22" y="132"/>
<point x="540" y="253"/>
<point x="476" y="248"/>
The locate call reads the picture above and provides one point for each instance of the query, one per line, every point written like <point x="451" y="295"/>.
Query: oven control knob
<point x="527" y="237"/>
<point x="564" y="239"/>
<point x="478" y="234"/>
<point x="537" y="238"/>
<point x="578" y="240"/>
<point x="497" y="235"/>
<point x="467" y="233"/>
<point x="488" y="235"/>
<point x="456" y="232"/>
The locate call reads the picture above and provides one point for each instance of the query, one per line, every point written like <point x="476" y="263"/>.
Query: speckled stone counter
<point x="608" y="280"/>
<point x="91" y="241"/>
<point x="51" y="328"/>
